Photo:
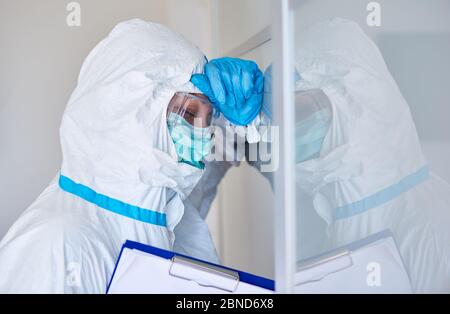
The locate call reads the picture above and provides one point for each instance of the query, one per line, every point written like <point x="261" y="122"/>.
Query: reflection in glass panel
<point x="372" y="149"/>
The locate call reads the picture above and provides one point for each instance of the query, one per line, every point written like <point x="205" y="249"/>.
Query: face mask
<point x="192" y="144"/>
<point x="310" y="134"/>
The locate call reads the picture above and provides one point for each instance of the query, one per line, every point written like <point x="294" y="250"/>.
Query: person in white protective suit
<point x="121" y="178"/>
<point x="370" y="174"/>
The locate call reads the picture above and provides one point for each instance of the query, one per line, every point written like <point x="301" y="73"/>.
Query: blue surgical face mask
<point x="310" y="134"/>
<point x="192" y="144"/>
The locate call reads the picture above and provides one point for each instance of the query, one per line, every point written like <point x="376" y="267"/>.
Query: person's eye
<point x="189" y="114"/>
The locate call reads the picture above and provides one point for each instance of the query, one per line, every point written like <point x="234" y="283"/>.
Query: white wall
<point x="237" y="20"/>
<point x="40" y="57"/>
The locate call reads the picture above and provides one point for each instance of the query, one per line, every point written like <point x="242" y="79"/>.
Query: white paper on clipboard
<point x="369" y="266"/>
<point x="140" y="272"/>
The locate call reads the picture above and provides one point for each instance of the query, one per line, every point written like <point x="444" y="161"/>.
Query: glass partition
<point x="372" y="144"/>
<point x="243" y="211"/>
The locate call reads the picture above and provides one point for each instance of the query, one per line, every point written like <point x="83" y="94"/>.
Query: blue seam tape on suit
<point x="383" y="196"/>
<point x="113" y="205"/>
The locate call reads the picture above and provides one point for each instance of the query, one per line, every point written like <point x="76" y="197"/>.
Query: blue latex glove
<point x="234" y="86"/>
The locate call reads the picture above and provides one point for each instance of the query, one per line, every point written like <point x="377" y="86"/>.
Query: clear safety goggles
<point x="195" y="109"/>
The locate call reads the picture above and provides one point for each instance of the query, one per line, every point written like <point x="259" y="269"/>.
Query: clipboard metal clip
<point x="318" y="269"/>
<point x="204" y="274"/>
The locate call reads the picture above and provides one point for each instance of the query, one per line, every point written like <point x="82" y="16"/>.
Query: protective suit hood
<point x="371" y="153"/>
<point x="114" y="135"/>
<point x="120" y="178"/>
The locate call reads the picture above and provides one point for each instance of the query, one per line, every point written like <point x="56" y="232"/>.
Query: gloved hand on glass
<point x="234" y="86"/>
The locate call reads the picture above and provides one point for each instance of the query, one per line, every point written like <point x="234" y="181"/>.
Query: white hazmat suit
<point x="120" y="177"/>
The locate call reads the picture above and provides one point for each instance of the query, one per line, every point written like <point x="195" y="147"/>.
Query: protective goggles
<point x="195" y="109"/>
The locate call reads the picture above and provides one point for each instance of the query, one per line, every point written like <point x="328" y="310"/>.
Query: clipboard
<point x="369" y="266"/>
<point x="143" y="269"/>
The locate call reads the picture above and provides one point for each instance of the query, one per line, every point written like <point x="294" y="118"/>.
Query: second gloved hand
<point x="234" y="86"/>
